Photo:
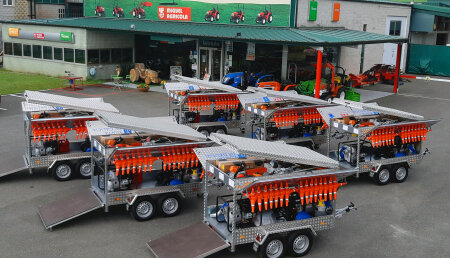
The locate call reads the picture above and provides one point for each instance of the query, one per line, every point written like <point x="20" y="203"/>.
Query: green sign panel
<point x="232" y="12"/>
<point x="312" y="11"/>
<point x="65" y="36"/>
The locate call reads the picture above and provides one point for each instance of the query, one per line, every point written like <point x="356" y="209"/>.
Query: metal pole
<point x="397" y="67"/>
<point x="318" y="74"/>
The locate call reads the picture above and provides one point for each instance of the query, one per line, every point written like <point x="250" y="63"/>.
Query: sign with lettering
<point x="38" y="35"/>
<point x="230" y="12"/>
<point x="13" y="32"/>
<point x="64" y="37"/>
<point x="336" y="11"/>
<point x="174" y="13"/>
<point x="312" y="11"/>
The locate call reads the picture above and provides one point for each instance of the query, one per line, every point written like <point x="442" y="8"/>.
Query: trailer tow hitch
<point x="426" y="152"/>
<point x="341" y="212"/>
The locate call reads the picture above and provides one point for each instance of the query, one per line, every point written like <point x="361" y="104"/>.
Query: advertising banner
<point x="247" y="12"/>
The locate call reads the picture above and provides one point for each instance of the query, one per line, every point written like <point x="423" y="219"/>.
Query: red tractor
<point x="265" y="17"/>
<point x="238" y="16"/>
<point x="139" y="11"/>
<point x="99" y="10"/>
<point x="117" y="11"/>
<point x="212" y="15"/>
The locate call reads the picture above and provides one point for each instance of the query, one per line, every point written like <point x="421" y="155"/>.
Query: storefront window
<point x="80" y="56"/>
<point x="93" y="56"/>
<point x="26" y="50"/>
<point x="17" y="49"/>
<point x="8" y="48"/>
<point x="47" y="52"/>
<point x="127" y="55"/>
<point x="37" y="51"/>
<point x="116" y="55"/>
<point x="105" y="57"/>
<point x="57" y="53"/>
<point x="69" y="55"/>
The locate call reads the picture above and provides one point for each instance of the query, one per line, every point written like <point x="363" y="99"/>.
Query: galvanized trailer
<point x="55" y="135"/>
<point x="205" y="106"/>
<point x="126" y="148"/>
<point x="384" y="142"/>
<point x="278" y="211"/>
<point x="272" y="117"/>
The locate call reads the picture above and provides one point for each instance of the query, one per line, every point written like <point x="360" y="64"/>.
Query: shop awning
<point x="259" y="34"/>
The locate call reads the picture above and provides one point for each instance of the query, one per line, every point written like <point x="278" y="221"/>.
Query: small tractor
<point x="117" y="11"/>
<point x="339" y="86"/>
<point x="212" y="15"/>
<point x="99" y="10"/>
<point x="139" y="11"/>
<point x="238" y="16"/>
<point x="265" y="17"/>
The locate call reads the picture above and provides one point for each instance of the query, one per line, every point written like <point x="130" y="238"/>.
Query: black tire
<point x="269" y="244"/>
<point x="340" y="92"/>
<point x="328" y="98"/>
<point x="221" y="130"/>
<point x="399" y="173"/>
<point x="62" y="171"/>
<point x="243" y="18"/>
<point x="204" y="131"/>
<point x="143" y="209"/>
<point x="270" y="18"/>
<point x="169" y="205"/>
<point x="81" y="168"/>
<point x="217" y="17"/>
<point x="383" y="176"/>
<point x="263" y="21"/>
<point x="299" y="243"/>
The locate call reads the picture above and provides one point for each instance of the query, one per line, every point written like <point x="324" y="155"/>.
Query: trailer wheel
<point x="83" y="168"/>
<point x="62" y="171"/>
<point x="221" y="130"/>
<point x="273" y="247"/>
<point x="400" y="173"/>
<point x="204" y="131"/>
<point x="143" y="209"/>
<point x="300" y="242"/>
<point x="169" y="205"/>
<point x="382" y="177"/>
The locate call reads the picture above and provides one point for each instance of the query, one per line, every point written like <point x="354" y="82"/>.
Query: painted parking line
<point x="422" y="97"/>
<point x="3" y="109"/>
<point x="16" y="95"/>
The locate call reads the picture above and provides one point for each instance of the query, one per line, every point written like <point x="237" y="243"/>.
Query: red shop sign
<point x="174" y="13"/>
<point x="39" y="35"/>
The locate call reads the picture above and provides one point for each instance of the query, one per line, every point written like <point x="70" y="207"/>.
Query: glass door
<point x="205" y="64"/>
<point x="211" y="63"/>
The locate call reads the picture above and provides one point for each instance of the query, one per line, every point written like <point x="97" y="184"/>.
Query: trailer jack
<point x="341" y="212"/>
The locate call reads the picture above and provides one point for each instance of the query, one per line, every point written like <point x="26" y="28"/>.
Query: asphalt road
<point x="397" y="220"/>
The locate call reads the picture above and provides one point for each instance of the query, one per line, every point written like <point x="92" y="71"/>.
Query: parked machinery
<point x="146" y="164"/>
<point x="213" y="107"/>
<point x="273" y="195"/>
<point x="386" y="142"/>
<point x="272" y="119"/>
<point x="56" y="135"/>
<point x="337" y="85"/>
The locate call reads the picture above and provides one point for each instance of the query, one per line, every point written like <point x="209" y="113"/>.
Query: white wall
<point x="42" y="66"/>
<point x="353" y="15"/>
